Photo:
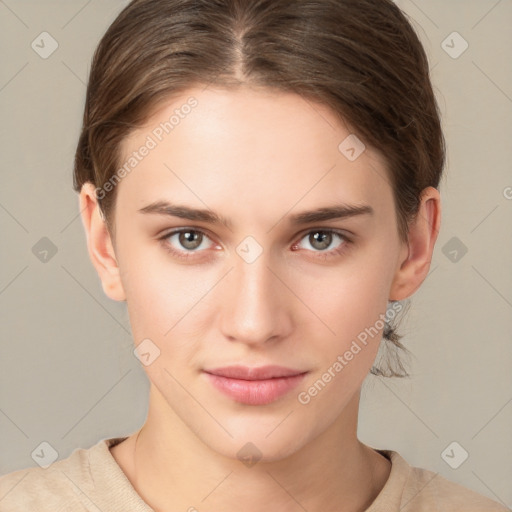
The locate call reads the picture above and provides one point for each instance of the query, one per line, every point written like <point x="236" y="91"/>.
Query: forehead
<point x="260" y="147"/>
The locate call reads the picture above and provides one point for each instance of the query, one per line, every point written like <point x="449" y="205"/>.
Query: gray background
<point x="68" y="373"/>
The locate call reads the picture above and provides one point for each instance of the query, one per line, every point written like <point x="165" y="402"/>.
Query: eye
<point x="186" y="240"/>
<point x="321" y="239"/>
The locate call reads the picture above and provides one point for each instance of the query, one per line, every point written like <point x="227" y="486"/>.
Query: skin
<point x="255" y="157"/>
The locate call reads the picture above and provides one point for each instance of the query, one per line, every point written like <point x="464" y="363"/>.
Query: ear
<point x="99" y="244"/>
<point x="416" y="256"/>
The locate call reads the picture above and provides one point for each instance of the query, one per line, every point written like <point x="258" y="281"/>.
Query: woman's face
<point x="266" y="287"/>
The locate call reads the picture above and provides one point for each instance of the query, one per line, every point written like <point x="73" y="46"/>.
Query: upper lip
<point x="254" y="373"/>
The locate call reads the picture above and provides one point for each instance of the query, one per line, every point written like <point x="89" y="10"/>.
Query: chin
<point x="252" y="443"/>
<point x="259" y="451"/>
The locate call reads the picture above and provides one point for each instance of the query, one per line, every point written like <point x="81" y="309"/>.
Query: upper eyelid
<point x="337" y="231"/>
<point x="175" y="231"/>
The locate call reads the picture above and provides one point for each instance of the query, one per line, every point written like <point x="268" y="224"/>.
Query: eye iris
<point x="188" y="239"/>
<point x="324" y="238"/>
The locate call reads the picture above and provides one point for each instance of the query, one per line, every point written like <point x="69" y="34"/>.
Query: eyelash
<point x="324" y="255"/>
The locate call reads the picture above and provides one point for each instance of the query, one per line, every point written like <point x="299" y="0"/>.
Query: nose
<point x="257" y="305"/>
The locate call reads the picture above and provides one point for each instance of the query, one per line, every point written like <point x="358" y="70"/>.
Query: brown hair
<point x="361" y="58"/>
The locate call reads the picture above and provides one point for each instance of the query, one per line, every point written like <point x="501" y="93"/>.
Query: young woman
<point x="258" y="181"/>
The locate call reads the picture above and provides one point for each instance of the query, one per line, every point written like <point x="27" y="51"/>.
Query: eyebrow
<point x="340" y="211"/>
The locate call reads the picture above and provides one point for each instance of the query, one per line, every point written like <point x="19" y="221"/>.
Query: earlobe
<point x="99" y="244"/>
<point x="416" y="256"/>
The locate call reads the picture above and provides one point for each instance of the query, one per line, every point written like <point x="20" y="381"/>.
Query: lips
<point x="254" y="386"/>
<point x="254" y="373"/>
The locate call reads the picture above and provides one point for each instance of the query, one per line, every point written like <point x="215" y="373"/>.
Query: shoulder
<point x="425" y="490"/>
<point x="39" y="489"/>
<point x="62" y="486"/>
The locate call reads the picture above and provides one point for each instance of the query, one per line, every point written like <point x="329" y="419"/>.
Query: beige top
<point x="90" y="480"/>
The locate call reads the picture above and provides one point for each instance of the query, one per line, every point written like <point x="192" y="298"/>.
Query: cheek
<point x="168" y="304"/>
<point x="347" y="299"/>
<point x="346" y="340"/>
<point x="349" y="305"/>
<point x="157" y="292"/>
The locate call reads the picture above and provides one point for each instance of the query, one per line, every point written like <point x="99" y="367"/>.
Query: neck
<point x="172" y="469"/>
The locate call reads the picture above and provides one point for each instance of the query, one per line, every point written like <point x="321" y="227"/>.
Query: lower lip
<point x="255" y="392"/>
